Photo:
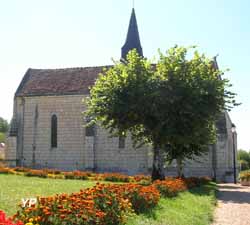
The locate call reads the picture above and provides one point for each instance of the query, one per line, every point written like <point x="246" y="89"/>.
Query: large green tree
<point x="4" y="127"/>
<point x="171" y="105"/>
<point x="244" y="159"/>
<point x="2" y="137"/>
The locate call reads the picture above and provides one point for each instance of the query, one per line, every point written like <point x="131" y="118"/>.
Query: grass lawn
<point x="194" y="207"/>
<point x="15" y="187"/>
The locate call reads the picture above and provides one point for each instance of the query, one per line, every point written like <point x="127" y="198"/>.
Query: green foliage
<point x="2" y="137"/>
<point x="172" y="105"/>
<point x="4" y="126"/>
<point x="244" y="159"/>
<point x="243" y="155"/>
<point x="244" y="165"/>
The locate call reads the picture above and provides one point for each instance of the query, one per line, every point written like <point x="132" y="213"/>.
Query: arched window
<point x="122" y="141"/>
<point x="90" y="130"/>
<point x="54" y="131"/>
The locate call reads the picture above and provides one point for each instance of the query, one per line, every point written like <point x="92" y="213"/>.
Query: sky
<point x="79" y="33"/>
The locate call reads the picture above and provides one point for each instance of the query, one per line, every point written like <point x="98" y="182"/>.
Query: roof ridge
<point x="67" y="68"/>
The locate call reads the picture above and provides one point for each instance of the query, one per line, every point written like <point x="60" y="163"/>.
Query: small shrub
<point x="196" y="181"/>
<point x="4" y="170"/>
<point x="21" y="169"/>
<point x="245" y="176"/>
<point x="115" y="177"/>
<point x="52" y="171"/>
<point x="142" y="178"/>
<point x="36" y="173"/>
<point x="68" y="175"/>
<point x="55" y="176"/>
<point x="144" y="182"/>
<point x="80" y="175"/>
<point x="171" y="186"/>
<point x="110" y="200"/>
<point x="142" y="198"/>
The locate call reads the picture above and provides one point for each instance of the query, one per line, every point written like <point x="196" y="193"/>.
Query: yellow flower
<point x="29" y="224"/>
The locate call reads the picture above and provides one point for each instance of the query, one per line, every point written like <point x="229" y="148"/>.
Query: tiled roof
<point x="37" y="82"/>
<point x="68" y="81"/>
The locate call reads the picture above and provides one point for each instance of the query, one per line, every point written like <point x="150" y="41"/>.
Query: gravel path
<point x="233" y="205"/>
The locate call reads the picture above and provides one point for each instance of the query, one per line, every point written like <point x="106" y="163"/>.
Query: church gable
<point x="69" y="81"/>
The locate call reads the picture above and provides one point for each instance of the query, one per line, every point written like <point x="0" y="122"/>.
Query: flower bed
<point x="77" y="175"/>
<point x="36" y="173"/>
<point x="102" y="204"/>
<point x="115" y="177"/>
<point x="142" y="179"/>
<point x="4" y="170"/>
<point x="245" y="178"/>
<point x="196" y="181"/>
<point x="21" y="169"/>
<point x="112" y="177"/>
<point x="142" y="198"/>
<point x="170" y="187"/>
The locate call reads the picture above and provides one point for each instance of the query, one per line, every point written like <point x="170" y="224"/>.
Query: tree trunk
<point x="158" y="172"/>
<point x="180" y="167"/>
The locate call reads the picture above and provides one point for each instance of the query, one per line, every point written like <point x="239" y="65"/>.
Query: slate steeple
<point x="133" y="38"/>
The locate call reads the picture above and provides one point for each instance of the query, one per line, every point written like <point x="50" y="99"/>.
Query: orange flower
<point x="62" y="216"/>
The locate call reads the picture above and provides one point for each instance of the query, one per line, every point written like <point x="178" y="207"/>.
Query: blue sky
<point x="78" y="33"/>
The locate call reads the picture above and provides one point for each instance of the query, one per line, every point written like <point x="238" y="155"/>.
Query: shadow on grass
<point x="203" y="190"/>
<point x="150" y="213"/>
<point x="206" y="189"/>
<point x="230" y="187"/>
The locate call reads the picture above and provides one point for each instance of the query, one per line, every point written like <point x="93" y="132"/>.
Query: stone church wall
<point x="109" y="157"/>
<point x="10" y="152"/>
<point x="226" y="144"/>
<point x="100" y="152"/>
<point x="75" y="150"/>
<point x="199" y="166"/>
<point x="36" y="140"/>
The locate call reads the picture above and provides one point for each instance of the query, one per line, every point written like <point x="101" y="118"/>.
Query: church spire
<point x="133" y="38"/>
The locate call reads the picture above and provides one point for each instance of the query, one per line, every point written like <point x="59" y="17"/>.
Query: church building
<point x="47" y="128"/>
